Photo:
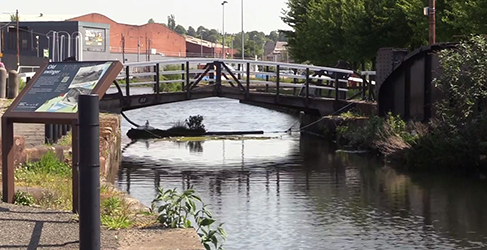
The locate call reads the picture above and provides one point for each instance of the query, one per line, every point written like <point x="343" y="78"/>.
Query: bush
<point x="49" y="164"/>
<point x="195" y="122"/>
<point x="23" y="199"/>
<point x="177" y="210"/>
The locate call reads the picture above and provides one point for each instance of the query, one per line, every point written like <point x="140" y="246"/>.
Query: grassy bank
<point x="47" y="184"/>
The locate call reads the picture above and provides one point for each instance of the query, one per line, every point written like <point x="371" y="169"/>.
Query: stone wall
<point x="110" y="148"/>
<point x="110" y="145"/>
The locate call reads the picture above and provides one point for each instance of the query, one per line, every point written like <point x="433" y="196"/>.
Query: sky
<point x="261" y="15"/>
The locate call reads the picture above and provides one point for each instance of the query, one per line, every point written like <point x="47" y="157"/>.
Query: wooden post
<point x="277" y="82"/>
<point x="127" y="81"/>
<point x="337" y="83"/>
<point x="8" y="188"/>
<point x="157" y="80"/>
<point x="307" y="86"/>
<point x="248" y="82"/>
<point x="75" y="166"/>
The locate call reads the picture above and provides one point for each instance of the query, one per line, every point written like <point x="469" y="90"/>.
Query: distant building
<point x="151" y="38"/>
<point x="88" y="37"/>
<point x="276" y="52"/>
<point x="196" y="47"/>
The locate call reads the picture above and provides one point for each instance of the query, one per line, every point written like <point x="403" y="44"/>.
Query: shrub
<point x="49" y="164"/>
<point x="195" y="122"/>
<point x="23" y="199"/>
<point x="177" y="210"/>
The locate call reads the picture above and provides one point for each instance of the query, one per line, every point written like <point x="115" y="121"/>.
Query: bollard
<point x="13" y="84"/>
<point x="3" y="83"/>
<point x="48" y="134"/>
<point x="64" y="129"/>
<point x="89" y="172"/>
<point x="55" y="137"/>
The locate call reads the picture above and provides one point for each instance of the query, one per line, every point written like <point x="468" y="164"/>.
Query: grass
<point x="53" y="178"/>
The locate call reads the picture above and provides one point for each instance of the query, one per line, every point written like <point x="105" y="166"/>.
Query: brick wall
<point x="163" y="39"/>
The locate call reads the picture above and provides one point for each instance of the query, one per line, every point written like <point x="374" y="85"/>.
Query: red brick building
<point x="155" y="38"/>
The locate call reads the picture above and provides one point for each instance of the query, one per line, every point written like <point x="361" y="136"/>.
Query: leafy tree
<point x="273" y="36"/>
<point x="171" y="22"/>
<point x="13" y="18"/>
<point x="191" y="31"/>
<point x="180" y="30"/>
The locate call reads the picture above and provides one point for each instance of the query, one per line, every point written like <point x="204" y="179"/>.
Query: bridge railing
<point x="249" y="77"/>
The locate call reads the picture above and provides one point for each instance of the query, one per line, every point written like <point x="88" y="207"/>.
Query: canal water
<point x="296" y="192"/>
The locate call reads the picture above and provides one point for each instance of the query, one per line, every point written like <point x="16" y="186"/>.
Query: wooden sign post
<point x="52" y="97"/>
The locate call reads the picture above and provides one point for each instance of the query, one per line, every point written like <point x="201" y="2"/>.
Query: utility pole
<point x="432" y="21"/>
<point x="223" y="26"/>
<point x="18" y="39"/>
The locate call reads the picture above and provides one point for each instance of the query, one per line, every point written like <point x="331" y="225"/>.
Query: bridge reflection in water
<point x="294" y="192"/>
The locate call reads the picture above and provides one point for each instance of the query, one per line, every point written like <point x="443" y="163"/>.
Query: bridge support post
<point x="247" y="90"/>
<point x="337" y="84"/>
<point x="156" y="79"/>
<point x="218" y="84"/>
<point x="182" y="75"/>
<point x="188" y="85"/>
<point x="127" y="81"/>
<point x="277" y="82"/>
<point x="307" y="86"/>
<point x="266" y="79"/>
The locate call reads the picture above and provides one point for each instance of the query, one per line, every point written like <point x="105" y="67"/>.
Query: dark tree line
<point x="254" y="40"/>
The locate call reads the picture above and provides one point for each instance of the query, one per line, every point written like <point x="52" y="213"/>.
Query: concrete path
<point x="34" y="228"/>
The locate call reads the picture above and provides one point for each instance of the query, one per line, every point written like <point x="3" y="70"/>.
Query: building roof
<point x="280" y="46"/>
<point x="205" y="43"/>
<point x="5" y="17"/>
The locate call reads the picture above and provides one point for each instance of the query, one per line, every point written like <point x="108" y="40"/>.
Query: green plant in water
<point x="178" y="210"/>
<point x="195" y="122"/>
<point x="23" y="199"/>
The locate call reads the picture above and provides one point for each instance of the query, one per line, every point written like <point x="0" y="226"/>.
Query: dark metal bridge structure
<point x="302" y="87"/>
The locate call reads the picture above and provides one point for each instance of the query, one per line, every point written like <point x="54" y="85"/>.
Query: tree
<point x="273" y="36"/>
<point x="151" y="21"/>
<point x="171" y="22"/>
<point x="191" y="31"/>
<point x="14" y="18"/>
<point x="180" y="30"/>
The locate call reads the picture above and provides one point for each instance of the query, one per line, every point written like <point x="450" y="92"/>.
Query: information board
<point x="59" y="85"/>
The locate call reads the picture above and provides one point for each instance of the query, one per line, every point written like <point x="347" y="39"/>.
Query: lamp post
<point x="243" y="34"/>
<point x="223" y="28"/>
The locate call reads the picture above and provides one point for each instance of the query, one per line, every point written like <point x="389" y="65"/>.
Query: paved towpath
<point x="34" y="228"/>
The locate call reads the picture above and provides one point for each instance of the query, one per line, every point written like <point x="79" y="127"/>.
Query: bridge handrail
<point x="236" y="61"/>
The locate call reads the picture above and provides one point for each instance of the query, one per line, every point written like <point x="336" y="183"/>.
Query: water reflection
<point x="294" y="192"/>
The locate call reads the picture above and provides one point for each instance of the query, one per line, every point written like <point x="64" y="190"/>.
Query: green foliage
<point x="22" y="84"/>
<point x="325" y="31"/>
<point x="180" y="30"/>
<point x="23" y="199"/>
<point x="179" y="210"/>
<point x="114" y="213"/>
<point x="457" y="140"/>
<point x="49" y="164"/>
<point x="171" y="22"/>
<point x="195" y="122"/>
<point x="151" y="20"/>
<point x="388" y="136"/>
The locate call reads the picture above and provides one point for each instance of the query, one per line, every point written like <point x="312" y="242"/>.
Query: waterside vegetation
<point x="456" y="139"/>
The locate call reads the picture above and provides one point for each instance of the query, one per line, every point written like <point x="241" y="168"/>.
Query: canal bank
<point x="296" y="191"/>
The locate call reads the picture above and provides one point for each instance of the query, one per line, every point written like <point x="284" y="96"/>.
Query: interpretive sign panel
<point x="59" y="85"/>
<point x="52" y="94"/>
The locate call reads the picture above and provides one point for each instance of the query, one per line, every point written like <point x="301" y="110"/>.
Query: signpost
<point x="52" y="97"/>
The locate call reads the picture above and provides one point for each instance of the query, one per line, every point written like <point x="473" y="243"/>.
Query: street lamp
<point x="243" y="34"/>
<point x="223" y="28"/>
